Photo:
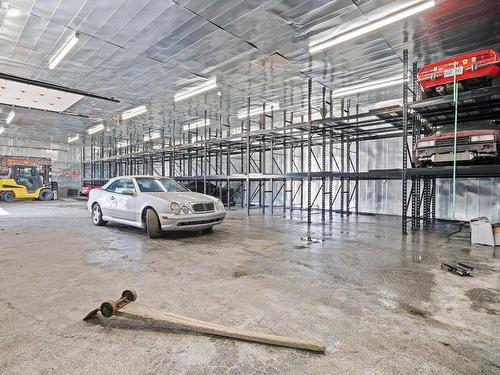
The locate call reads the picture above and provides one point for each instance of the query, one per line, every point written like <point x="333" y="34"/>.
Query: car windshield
<point x="159" y="185"/>
<point x="464" y="126"/>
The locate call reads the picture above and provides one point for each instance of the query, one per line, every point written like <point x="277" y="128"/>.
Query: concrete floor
<point x="360" y="289"/>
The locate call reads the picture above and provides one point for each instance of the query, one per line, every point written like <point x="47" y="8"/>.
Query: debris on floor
<point x="460" y="269"/>
<point x="238" y="274"/>
<point x="311" y="239"/>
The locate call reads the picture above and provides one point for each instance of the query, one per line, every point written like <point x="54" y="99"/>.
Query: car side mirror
<point x="128" y="192"/>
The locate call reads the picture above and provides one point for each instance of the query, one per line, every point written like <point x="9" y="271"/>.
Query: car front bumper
<point x="192" y="222"/>
<point x="465" y="153"/>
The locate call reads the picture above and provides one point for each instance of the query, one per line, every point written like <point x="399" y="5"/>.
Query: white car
<point x="155" y="203"/>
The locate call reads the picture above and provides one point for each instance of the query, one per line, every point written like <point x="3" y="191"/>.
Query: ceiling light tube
<point x="72" y="139"/>
<point x="70" y="43"/>
<point x="10" y="117"/>
<point x="194" y="125"/>
<point x="370" y="86"/>
<point x="209" y="85"/>
<point x="243" y="113"/>
<point x="372" y="26"/>
<point x="96" y="129"/>
<point x="2" y="130"/>
<point x="134" y="112"/>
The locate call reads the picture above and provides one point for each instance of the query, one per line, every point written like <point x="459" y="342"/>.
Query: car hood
<point x="462" y="133"/>
<point x="184" y="197"/>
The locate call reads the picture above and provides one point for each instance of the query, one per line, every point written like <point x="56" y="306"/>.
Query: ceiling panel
<point x="24" y="95"/>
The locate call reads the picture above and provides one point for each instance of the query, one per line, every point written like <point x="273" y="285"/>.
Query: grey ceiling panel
<point x="33" y="28"/>
<point x="136" y="25"/>
<point x="120" y="18"/>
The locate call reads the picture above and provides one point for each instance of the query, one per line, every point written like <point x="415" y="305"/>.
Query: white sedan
<point x="155" y="203"/>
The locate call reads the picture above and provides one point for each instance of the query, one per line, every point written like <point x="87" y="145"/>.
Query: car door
<point x="123" y="205"/>
<point x="107" y="199"/>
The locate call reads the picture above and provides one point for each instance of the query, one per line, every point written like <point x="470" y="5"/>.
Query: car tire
<point x="208" y="230"/>
<point x="8" y="196"/>
<point x="153" y="224"/>
<point x="46" y="195"/>
<point x="97" y="215"/>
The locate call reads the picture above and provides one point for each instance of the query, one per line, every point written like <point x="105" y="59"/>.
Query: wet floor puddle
<point x="118" y="254"/>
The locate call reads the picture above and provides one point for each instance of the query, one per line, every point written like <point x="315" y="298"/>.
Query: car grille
<point x="202" y="207"/>
<point x="450" y="142"/>
<point x="200" y="222"/>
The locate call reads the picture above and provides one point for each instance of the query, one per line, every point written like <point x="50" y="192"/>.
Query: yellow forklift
<point x="24" y="182"/>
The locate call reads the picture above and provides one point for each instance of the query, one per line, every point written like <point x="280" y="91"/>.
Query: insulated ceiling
<point x="143" y="52"/>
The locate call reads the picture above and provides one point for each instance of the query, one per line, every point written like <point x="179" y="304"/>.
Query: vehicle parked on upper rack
<point x="473" y="70"/>
<point x="477" y="142"/>
<point x="157" y="204"/>
<point x="85" y="189"/>
<point x="23" y="182"/>
<point x="214" y="191"/>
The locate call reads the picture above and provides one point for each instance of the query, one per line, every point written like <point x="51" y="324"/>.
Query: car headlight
<point x="219" y="205"/>
<point x="185" y="209"/>
<point x="482" y="138"/>
<point x="426" y="143"/>
<point x="175" y="208"/>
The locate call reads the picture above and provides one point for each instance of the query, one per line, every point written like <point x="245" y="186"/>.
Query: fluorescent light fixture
<point x="196" y="124"/>
<point x="2" y="130"/>
<point x="150" y="137"/>
<point x="243" y="112"/>
<point x="133" y="112"/>
<point x="10" y="116"/>
<point x="75" y="138"/>
<point x="369" y="86"/>
<point x="206" y="86"/>
<point x="96" y="129"/>
<point x="70" y="43"/>
<point x="377" y="23"/>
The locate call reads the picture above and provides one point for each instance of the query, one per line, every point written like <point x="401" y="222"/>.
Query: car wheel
<point x="97" y="215"/>
<point x="153" y="224"/>
<point x="46" y="195"/>
<point x="9" y="196"/>
<point x="208" y="230"/>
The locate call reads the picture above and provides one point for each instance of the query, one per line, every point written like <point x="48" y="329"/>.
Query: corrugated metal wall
<point x="65" y="158"/>
<point x="475" y="197"/>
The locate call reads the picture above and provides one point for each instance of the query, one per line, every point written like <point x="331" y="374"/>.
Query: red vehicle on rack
<point x="477" y="142"/>
<point x="473" y="70"/>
